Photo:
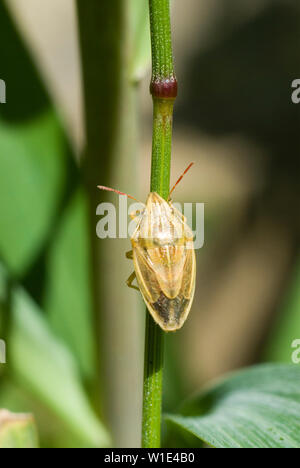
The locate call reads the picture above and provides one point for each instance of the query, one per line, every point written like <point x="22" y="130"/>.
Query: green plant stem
<point x="161" y="40"/>
<point x="163" y="89"/>
<point x="161" y="146"/>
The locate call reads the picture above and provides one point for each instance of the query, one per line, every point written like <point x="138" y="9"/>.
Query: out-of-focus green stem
<point x="107" y="38"/>
<point x="164" y="90"/>
<point x="101" y="34"/>
<point x="102" y="31"/>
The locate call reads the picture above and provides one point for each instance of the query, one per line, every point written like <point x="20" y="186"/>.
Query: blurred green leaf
<point x="41" y="364"/>
<point x="53" y="432"/>
<point x="17" y="430"/>
<point x="68" y="291"/>
<point x="255" y="408"/>
<point x="287" y="327"/>
<point x="34" y="154"/>
<point x="32" y="173"/>
<point x="27" y="97"/>
<point x="140" y="33"/>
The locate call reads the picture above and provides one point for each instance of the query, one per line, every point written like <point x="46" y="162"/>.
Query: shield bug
<point x="164" y="260"/>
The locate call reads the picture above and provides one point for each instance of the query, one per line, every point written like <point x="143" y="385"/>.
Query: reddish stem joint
<point x="164" y="88"/>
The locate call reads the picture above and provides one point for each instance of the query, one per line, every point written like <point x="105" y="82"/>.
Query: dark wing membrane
<point x="170" y="311"/>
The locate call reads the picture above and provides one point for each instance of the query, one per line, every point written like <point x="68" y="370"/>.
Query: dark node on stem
<point x="164" y="88"/>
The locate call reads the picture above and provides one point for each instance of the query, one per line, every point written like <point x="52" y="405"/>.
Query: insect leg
<point x="130" y="281"/>
<point x="129" y="255"/>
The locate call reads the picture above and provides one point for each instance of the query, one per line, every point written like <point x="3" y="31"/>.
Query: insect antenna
<point x="108" y="189"/>
<point x="180" y="179"/>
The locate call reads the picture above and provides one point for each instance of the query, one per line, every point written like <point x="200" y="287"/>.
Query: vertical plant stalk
<point x="163" y="88"/>
<point x="110" y="104"/>
<point x="101" y="33"/>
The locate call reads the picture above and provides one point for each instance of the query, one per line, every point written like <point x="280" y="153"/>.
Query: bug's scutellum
<point x="164" y="260"/>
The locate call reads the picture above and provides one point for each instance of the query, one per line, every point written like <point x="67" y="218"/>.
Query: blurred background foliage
<point x="17" y="431"/>
<point x="234" y="117"/>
